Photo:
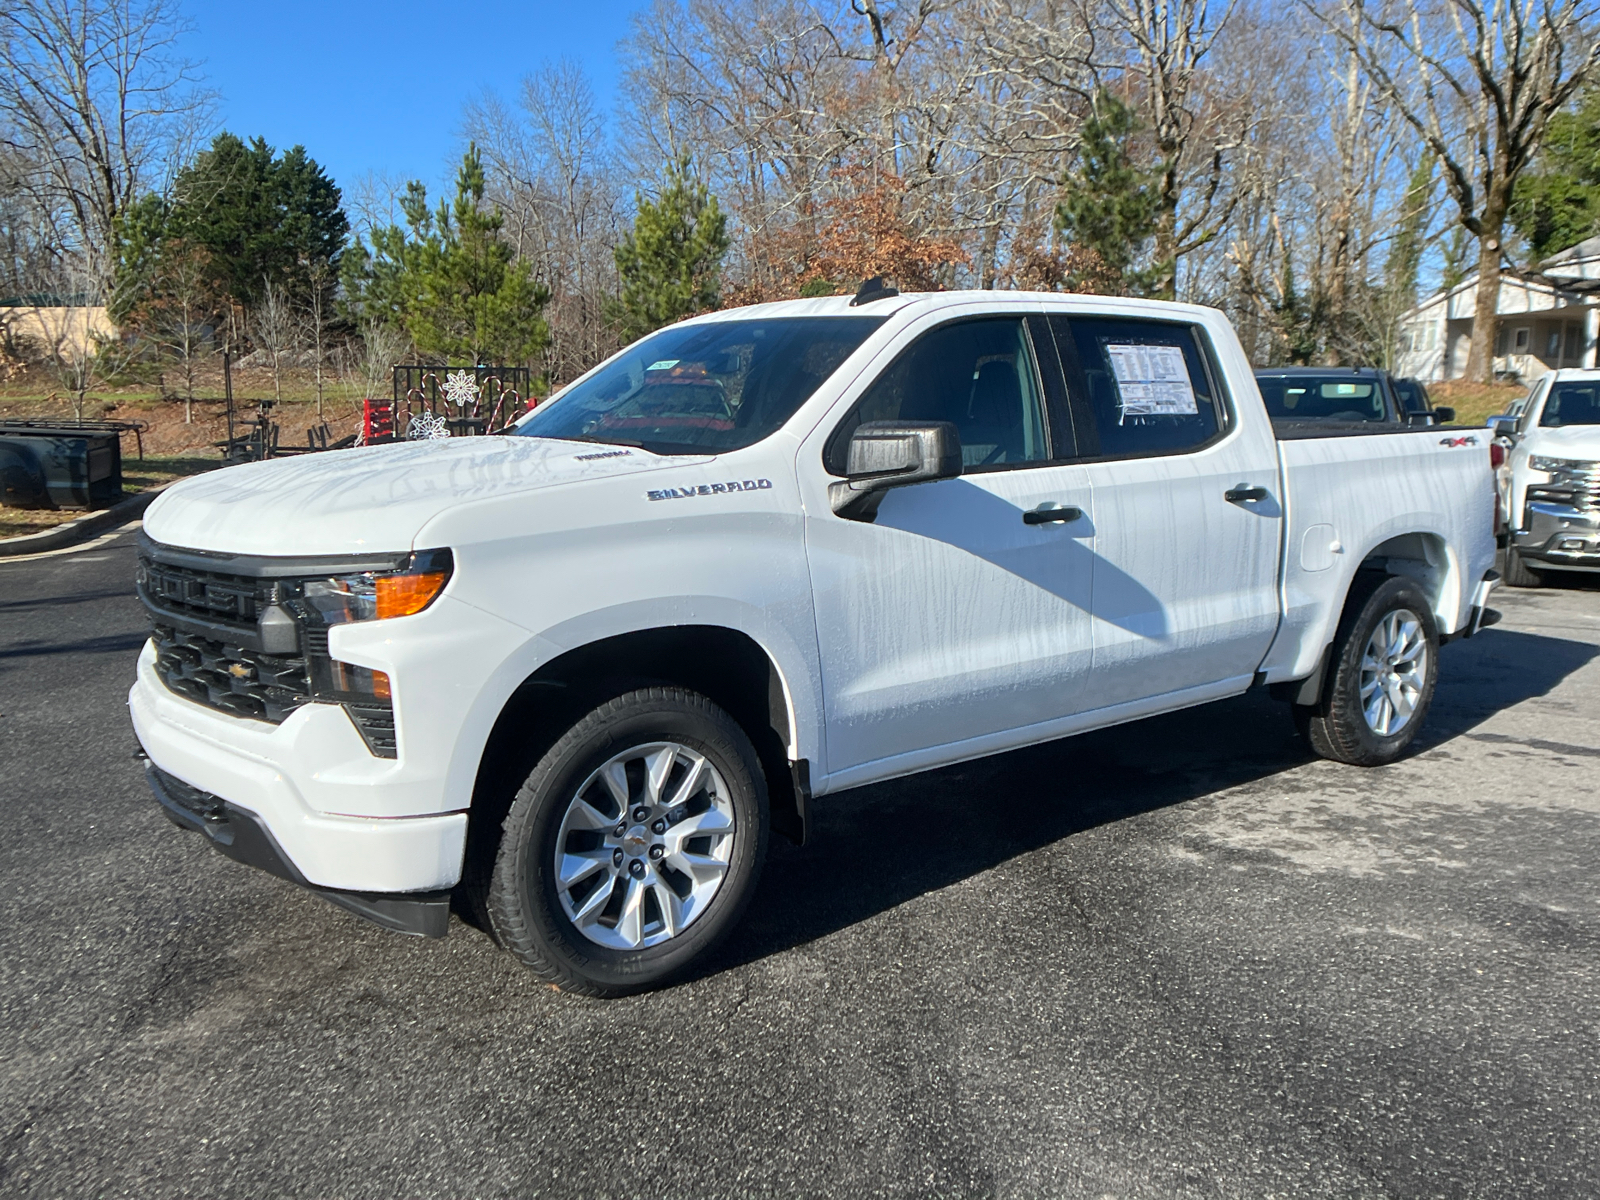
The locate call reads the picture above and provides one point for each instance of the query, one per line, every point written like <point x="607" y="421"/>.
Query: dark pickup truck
<point x="1354" y="398"/>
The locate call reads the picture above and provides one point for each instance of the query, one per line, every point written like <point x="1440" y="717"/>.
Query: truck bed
<point x="1392" y="496"/>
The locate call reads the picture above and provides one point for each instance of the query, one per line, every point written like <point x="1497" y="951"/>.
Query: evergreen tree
<point x="1558" y="203"/>
<point x="449" y="279"/>
<point x="670" y="262"/>
<point x="1109" y="205"/>
<point x="260" y="217"/>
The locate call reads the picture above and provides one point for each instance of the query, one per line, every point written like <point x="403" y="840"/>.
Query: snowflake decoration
<point x="461" y="389"/>
<point x="426" y="426"/>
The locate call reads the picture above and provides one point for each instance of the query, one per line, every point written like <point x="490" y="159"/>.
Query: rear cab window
<point x="1331" y="397"/>
<point x="1138" y="388"/>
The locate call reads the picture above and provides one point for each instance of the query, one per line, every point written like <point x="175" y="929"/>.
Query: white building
<point x="1547" y="319"/>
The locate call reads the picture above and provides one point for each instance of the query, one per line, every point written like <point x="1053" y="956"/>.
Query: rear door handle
<point x="1244" y="495"/>
<point x="1046" y="513"/>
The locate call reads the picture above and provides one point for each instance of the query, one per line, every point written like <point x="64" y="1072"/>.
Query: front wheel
<point x="634" y="845"/>
<point x="1518" y="573"/>
<point x="1385" y="664"/>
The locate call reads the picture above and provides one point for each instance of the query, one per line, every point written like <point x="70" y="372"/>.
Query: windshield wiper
<point x="651" y="447"/>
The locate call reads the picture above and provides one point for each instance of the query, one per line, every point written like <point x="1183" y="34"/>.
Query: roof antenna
<point x="873" y="289"/>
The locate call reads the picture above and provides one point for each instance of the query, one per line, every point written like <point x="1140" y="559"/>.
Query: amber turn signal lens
<point x="402" y="595"/>
<point x="380" y="685"/>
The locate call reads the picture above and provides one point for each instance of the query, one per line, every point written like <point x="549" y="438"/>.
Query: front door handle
<point x="1244" y="495"/>
<point x="1046" y="513"/>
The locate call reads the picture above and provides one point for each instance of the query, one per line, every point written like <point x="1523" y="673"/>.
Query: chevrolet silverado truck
<point x="1552" y="478"/>
<point x="567" y="679"/>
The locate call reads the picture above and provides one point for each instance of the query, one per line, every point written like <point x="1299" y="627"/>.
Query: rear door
<point x="1188" y="516"/>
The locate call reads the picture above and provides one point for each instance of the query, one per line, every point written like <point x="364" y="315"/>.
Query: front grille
<point x="1577" y="484"/>
<point x="206" y="633"/>
<point x="206" y="595"/>
<point x="243" y="682"/>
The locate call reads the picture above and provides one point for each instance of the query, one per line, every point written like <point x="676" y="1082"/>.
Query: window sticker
<point x="664" y="364"/>
<point x="1153" y="381"/>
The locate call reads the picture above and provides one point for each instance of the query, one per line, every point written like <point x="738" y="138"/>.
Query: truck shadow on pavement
<point x="876" y="847"/>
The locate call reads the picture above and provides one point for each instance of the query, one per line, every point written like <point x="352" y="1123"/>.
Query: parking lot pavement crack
<point x="1565" y="748"/>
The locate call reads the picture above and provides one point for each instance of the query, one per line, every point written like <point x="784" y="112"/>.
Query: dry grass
<point x="1475" y="403"/>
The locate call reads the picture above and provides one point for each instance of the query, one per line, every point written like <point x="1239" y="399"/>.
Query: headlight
<point x="1551" y="465"/>
<point x="375" y="595"/>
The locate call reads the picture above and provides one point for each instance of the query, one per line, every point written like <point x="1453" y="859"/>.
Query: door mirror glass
<point x="890" y="454"/>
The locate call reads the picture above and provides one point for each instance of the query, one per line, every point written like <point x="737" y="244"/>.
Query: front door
<point x="1188" y="514"/>
<point x="951" y="618"/>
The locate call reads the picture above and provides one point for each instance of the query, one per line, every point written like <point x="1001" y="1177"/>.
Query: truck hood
<point x="1569" y="441"/>
<point x="374" y="498"/>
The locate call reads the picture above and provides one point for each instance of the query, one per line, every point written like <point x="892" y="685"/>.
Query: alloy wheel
<point x="644" y="846"/>
<point x="1394" y="671"/>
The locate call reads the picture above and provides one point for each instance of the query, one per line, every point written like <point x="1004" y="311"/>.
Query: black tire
<point x="1337" y="727"/>
<point x="523" y="904"/>
<point x="1518" y="573"/>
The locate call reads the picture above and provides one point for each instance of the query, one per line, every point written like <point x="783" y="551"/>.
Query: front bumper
<point x="244" y="837"/>
<point x="1560" y="535"/>
<point x="293" y="779"/>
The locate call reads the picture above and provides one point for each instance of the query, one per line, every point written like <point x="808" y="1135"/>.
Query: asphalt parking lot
<point x="1178" y="959"/>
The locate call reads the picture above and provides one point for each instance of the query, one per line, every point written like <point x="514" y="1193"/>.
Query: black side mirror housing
<point x="891" y="454"/>
<point x="1443" y="414"/>
<point x="1503" y="426"/>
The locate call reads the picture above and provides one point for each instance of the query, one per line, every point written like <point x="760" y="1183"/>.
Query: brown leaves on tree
<point x="863" y="230"/>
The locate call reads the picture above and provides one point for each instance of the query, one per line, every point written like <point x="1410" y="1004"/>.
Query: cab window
<point x="977" y="374"/>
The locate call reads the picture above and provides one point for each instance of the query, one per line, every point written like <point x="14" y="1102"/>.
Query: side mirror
<point x="1443" y="414"/>
<point x="890" y="454"/>
<point x="1503" y="426"/>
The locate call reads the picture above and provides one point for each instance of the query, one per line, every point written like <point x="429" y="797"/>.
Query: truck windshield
<point x="1329" y="398"/>
<point x="1572" y="404"/>
<point x="703" y="389"/>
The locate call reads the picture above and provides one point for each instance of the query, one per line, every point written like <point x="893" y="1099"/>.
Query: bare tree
<point x="95" y="99"/>
<point x="381" y="347"/>
<point x="183" y="313"/>
<point x="552" y="171"/>
<point x="1478" y="80"/>
<point x="275" y="329"/>
<point x="318" y="317"/>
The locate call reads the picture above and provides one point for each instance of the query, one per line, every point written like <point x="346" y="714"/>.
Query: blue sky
<point x="379" y="87"/>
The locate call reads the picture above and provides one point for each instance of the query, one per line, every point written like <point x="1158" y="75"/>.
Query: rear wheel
<point x="1384" y="664"/>
<point x="634" y="845"/>
<point x="1518" y="573"/>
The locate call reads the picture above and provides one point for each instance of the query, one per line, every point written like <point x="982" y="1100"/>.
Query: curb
<point x="80" y="528"/>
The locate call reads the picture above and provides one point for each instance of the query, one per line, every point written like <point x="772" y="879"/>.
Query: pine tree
<point x="670" y="262"/>
<point x="449" y="279"/>
<point x="260" y="217"/>
<point x="1108" y="205"/>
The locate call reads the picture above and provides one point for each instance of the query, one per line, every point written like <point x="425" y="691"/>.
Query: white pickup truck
<point x="1552" y="478"/>
<point x="569" y="678"/>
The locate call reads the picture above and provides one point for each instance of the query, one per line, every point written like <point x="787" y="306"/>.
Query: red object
<point x="377" y="421"/>
<point x="1497" y="455"/>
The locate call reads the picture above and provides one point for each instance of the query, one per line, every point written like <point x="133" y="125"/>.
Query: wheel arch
<point x="726" y="665"/>
<point x="1423" y="556"/>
